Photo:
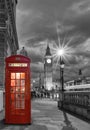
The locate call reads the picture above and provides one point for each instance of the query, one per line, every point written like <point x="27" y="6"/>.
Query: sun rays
<point x="62" y="50"/>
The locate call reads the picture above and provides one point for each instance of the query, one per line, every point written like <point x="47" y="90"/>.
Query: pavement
<point x="46" y="116"/>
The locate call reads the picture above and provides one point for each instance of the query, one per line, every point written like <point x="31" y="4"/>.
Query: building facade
<point x="48" y="69"/>
<point x="8" y="34"/>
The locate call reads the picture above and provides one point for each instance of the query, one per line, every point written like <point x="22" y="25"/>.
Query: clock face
<point x="48" y="60"/>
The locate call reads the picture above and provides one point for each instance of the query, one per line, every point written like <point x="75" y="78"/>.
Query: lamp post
<point x="62" y="69"/>
<point x="62" y="81"/>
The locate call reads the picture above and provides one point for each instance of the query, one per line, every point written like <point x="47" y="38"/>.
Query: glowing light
<point x="60" y="52"/>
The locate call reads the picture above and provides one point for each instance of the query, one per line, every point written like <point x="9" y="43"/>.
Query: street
<point x="46" y="116"/>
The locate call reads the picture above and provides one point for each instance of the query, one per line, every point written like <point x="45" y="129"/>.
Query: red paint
<point x="17" y="90"/>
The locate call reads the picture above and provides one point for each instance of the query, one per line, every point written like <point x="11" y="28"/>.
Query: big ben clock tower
<point x="48" y="69"/>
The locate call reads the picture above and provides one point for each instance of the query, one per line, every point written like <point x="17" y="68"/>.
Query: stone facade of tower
<point x="48" y="69"/>
<point x="8" y="34"/>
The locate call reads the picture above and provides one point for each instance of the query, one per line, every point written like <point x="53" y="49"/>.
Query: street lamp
<point x="62" y="68"/>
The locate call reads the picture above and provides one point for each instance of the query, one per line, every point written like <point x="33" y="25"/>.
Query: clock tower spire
<point x="48" y="53"/>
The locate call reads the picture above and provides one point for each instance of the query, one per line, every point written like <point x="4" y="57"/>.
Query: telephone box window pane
<point x="17" y="75"/>
<point x="17" y="104"/>
<point x="17" y="82"/>
<point x="13" y="90"/>
<point x="22" y="89"/>
<point x="22" y="75"/>
<point x="12" y="82"/>
<point x="12" y="75"/>
<point x="22" y="104"/>
<point x="22" y="83"/>
<point x="18" y="96"/>
<point x="18" y="89"/>
<point x="22" y="96"/>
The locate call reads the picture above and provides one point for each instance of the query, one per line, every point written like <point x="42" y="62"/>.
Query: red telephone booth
<point x="17" y="90"/>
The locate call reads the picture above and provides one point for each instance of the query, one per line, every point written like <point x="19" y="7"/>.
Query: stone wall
<point x="8" y="35"/>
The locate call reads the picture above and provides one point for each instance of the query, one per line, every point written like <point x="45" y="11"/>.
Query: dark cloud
<point x="35" y="55"/>
<point x="37" y="22"/>
<point x="78" y="16"/>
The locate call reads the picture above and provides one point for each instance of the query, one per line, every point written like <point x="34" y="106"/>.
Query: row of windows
<point x="77" y="82"/>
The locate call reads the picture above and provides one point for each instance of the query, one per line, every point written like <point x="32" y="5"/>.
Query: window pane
<point x="17" y="104"/>
<point x="18" y="89"/>
<point x="22" y="96"/>
<point x="18" y="96"/>
<point x="12" y="82"/>
<point x="22" y="89"/>
<point x="12" y="75"/>
<point x="17" y="75"/>
<point x="22" y="104"/>
<point x="17" y="82"/>
<point x="22" y="75"/>
<point x="13" y="90"/>
<point x="22" y="83"/>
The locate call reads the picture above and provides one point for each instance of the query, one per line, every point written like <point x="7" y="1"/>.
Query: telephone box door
<point x="18" y="109"/>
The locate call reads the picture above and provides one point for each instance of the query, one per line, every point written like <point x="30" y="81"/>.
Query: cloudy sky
<point x="52" y="21"/>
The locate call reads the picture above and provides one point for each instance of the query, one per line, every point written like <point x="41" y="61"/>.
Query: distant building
<point x="8" y="34"/>
<point x="23" y="52"/>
